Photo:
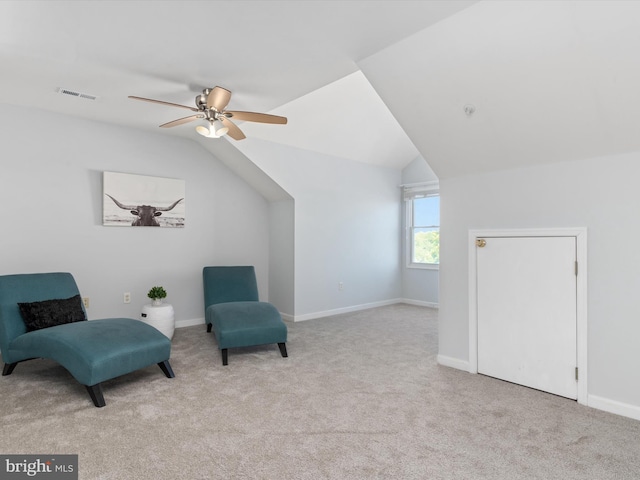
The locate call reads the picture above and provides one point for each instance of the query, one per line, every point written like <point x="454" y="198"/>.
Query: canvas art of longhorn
<point x="145" y="214"/>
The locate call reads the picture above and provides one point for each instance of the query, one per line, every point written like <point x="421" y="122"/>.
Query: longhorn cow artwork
<point x="145" y="214"/>
<point x="142" y="201"/>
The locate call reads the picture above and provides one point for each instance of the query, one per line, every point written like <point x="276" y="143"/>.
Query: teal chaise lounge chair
<point x="234" y="313"/>
<point x="42" y="316"/>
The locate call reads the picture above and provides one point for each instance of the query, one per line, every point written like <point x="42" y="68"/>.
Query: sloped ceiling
<point x="268" y="53"/>
<point x="550" y="81"/>
<point x="345" y="119"/>
<point x="374" y="81"/>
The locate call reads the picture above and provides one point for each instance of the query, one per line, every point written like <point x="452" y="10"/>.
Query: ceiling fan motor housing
<point x="211" y="105"/>
<point x="201" y="100"/>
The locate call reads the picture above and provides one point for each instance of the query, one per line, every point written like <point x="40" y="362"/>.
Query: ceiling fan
<point x="211" y="105"/>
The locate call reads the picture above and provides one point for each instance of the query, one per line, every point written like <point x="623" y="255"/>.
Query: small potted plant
<point x="157" y="294"/>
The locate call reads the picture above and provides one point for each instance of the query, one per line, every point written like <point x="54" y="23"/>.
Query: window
<point x="423" y="227"/>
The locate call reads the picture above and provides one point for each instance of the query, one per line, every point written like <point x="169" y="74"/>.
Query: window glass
<point x="425" y="230"/>
<point x="426" y="211"/>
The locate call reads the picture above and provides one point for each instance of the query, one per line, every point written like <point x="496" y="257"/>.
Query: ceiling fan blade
<point x="193" y="109"/>
<point x="218" y="98"/>
<point x="180" y="121"/>
<point x="257" y="117"/>
<point x="234" y="132"/>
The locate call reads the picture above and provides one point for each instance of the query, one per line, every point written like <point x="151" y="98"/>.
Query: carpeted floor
<point x="360" y="397"/>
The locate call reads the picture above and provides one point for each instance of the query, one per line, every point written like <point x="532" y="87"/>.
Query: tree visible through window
<point x="425" y="229"/>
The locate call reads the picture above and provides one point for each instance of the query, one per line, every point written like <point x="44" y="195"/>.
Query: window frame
<point x="411" y="193"/>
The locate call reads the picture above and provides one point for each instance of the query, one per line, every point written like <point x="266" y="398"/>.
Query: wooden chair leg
<point x="166" y="368"/>
<point x="225" y="356"/>
<point x="283" y="349"/>
<point x="8" y="368"/>
<point x="95" y="392"/>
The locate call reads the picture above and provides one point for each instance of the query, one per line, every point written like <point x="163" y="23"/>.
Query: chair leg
<point x="95" y="392"/>
<point x="283" y="349"/>
<point x="209" y="325"/>
<point x="166" y="368"/>
<point x="225" y="356"/>
<point x="8" y="368"/>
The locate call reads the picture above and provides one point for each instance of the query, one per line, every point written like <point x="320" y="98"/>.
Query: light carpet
<point x="359" y="397"/>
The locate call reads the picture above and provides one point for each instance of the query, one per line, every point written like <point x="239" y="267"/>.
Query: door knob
<point x="480" y="242"/>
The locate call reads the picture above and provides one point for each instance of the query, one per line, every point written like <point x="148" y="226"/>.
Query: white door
<point x="526" y="307"/>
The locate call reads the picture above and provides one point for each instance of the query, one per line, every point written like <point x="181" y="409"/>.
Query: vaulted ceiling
<point x="550" y="81"/>
<point x="268" y="53"/>
<point x="374" y="81"/>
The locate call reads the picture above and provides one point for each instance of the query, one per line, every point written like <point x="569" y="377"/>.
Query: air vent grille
<point x="66" y="91"/>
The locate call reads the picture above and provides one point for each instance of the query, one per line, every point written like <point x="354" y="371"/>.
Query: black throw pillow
<point x="49" y="313"/>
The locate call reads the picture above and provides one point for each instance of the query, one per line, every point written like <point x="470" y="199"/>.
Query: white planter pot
<point x="161" y="317"/>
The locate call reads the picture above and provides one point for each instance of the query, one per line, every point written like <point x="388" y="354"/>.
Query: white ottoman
<point x="160" y="317"/>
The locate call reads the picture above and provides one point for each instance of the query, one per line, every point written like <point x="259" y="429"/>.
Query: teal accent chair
<point x="92" y="351"/>
<point x="234" y="312"/>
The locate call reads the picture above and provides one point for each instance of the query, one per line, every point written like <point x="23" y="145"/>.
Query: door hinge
<point x="576" y="268"/>
<point x="576" y="374"/>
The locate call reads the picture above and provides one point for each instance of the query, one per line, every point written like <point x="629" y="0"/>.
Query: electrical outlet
<point x="85" y="301"/>
<point x="340" y="286"/>
<point x="127" y="297"/>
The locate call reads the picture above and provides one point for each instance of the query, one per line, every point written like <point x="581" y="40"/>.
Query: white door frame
<point x="580" y="235"/>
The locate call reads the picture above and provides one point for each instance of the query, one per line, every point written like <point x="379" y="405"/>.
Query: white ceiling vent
<point x="66" y="91"/>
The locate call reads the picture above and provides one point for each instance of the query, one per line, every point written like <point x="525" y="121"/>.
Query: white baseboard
<point x="453" y="362"/>
<point x="613" y="406"/>
<point x="355" y="308"/>
<point x="327" y="313"/>
<point x="189" y="322"/>
<point x="593" y="401"/>
<point x="338" y="311"/>
<point x="419" y="303"/>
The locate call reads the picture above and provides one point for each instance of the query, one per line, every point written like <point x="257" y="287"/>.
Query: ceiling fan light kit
<point x="206" y="132"/>
<point x="216" y="130"/>
<point x="211" y="105"/>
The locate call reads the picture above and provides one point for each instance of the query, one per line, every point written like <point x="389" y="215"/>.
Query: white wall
<point x="281" y="256"/>
<point x="601" y="194"/>
<point x="347" y="227"/>
<point x="419" y="285"/>
<point x="418" y="171"/>
<point x="51" y="198"/>
<point x="281" y="220"/>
